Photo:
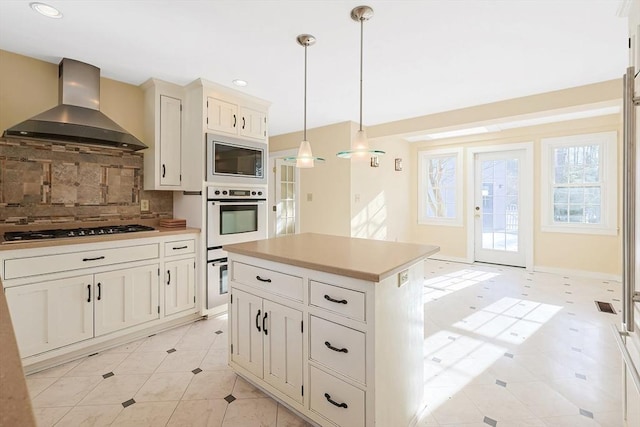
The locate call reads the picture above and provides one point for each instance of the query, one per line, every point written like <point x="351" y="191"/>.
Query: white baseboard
<point x="579" y="273"/>
<point x="439" y="257"/>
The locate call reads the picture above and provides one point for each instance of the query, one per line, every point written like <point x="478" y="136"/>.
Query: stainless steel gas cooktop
<point x="58" y="233"/>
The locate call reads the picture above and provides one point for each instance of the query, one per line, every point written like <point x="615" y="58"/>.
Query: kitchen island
<point x="331" y="326"/>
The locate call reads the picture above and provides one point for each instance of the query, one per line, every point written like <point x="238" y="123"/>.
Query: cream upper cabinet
<point x="222" y="116"/>
<point x="253" y="123"/>
<point x="163" y="134"/>
<point x="231" y="117"/>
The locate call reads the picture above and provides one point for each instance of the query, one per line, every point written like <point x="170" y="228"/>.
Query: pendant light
<point x="305" y="158"/>
<point x="360" y="142"/>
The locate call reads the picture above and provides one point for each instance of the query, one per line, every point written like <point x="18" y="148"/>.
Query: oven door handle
<point x="236" y="202"/>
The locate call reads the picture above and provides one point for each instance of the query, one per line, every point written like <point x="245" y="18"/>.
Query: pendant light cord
<point x="361" y="55"/>
<point x="304" y="138"/>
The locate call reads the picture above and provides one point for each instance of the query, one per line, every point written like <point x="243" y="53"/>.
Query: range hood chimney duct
<point x="77" y="118"/>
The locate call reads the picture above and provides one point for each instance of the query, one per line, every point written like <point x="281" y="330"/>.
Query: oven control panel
<point x="222" y="193"/>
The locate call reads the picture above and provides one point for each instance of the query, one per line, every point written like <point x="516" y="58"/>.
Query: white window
<point x="440" y="181"/>
<point x="579" y="184"/>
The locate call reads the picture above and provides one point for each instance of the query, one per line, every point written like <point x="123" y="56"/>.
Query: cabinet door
<point x="283" y="349"/>
<point x="253" y="124"/>
<point x="222" y="116"/>
<point x="246" y="331"/>
<point x="52" y="314"/>
<point x="179" y="286"/>
<point x="170" y="140"/>
<point x="125" y="298"/>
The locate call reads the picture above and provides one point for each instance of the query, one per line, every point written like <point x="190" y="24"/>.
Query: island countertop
<point x="371" y="260"/>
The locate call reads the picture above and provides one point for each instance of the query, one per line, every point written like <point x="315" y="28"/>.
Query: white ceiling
<point x="421" y="56"/>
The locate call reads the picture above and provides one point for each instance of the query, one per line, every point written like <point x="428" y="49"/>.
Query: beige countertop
<point x="372" y="260"/>
<point x="158" y="232"/>
<point x="15" y="404"/>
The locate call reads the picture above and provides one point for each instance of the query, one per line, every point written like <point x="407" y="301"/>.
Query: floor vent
<point x="605" y="307"/>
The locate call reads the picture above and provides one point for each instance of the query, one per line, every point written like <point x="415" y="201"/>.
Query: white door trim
<point x="271" y="191"/>
<point x="527" y="196"/>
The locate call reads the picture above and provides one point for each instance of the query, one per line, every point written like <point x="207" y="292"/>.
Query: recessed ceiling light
<point x="241" y="83"/>
<point x="46" y="10"/>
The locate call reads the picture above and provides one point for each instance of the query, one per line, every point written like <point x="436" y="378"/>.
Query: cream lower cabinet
<point x="72" y="300"/>
<point x="340" y="351"/>
<point x="54" y="313"/>
<point x="266" y="340"/>
<point x="179" y="286"/>
<point x="51" y="314"/>
<point x="125" y="298"/>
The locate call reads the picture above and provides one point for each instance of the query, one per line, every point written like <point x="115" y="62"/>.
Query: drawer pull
<point x="258" y="321"/>
<point x="177" y="248"/>
<point x="263" y="280"/>
<point x="339" y="350"/>
<point x="264" y="324"/>
<point x="89" y="289"/>
<point x="337" y="301"/>
<point x="93" y="259"/>
<point x="333" y="402"/>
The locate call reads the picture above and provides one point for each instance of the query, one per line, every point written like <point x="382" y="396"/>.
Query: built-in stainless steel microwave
<point x="231" y="160"/>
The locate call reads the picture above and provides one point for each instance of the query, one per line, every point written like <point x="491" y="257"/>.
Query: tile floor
<point x="503" y="347"/>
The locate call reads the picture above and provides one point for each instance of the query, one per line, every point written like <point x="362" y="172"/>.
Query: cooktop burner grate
<point x="58" y="233"/>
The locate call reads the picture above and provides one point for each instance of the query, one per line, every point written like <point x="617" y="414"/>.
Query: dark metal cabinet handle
<point x="164" y="170"/>
<point x="258" y="321"/>
<point x="328" y="298"/>
<point x="333" y="402"/>
<point x="169" y="277"/>
<point x="234" y="120"/>
<point x="263" y="280"/>
<point x="264" y="323"/>
<point x="339" y="350"/>
<point x="92" y="259"/>
<point x="99" y="291"/>
<point x="243" y="123"/>
<point x="176" y="248"/>
<point x="89" y="289"/>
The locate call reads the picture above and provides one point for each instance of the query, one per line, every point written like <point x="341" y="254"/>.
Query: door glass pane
<point x="286" y="206"/>
<point x="500" y="204"/>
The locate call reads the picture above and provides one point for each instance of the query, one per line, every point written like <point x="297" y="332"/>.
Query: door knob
<point x="477" y="213"/>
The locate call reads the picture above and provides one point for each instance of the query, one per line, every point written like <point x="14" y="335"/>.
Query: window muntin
<point x="579" y="183"/>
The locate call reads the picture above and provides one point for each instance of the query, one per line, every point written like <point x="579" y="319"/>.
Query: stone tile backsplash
<point x="44" y="182"/>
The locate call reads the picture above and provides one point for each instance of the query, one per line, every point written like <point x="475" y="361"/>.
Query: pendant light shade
<point x="360" y="145"/>
<point x="305" y="158"/>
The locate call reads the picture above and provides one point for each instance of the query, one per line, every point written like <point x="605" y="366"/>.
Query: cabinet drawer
<point x="338" y="347"/>
<point x="339" y="300"/>
<point x="325" y="387"/>
<point x="180" y="247"/>
<point x="269" y="280"/>
<point x="33" y="266"/>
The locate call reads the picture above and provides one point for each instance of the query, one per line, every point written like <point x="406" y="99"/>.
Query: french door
<point x="499" y="185"/>
<point x="286" y="206"/>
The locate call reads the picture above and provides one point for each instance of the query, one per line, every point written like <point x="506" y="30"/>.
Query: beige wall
<point x="380" y="199"/>
<point x="552" y="251"/>
<point x="328" y="183"/>
<point x="29" y="86"/>
<point x="388" y="200"/>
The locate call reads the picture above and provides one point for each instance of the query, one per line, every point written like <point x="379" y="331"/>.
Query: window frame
<point x="608" y="142"/>
<point x="423" y="157"/>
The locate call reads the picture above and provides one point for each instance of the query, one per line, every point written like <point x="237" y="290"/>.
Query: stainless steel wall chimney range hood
<point x="77" y="118"/>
